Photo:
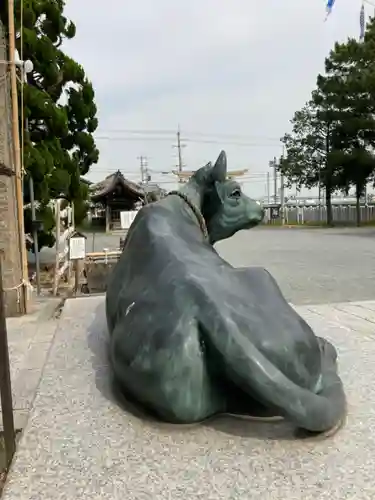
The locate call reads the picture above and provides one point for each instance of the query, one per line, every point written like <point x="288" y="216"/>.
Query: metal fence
<point x="63" y="234"/>
<point x="310" y="215"/>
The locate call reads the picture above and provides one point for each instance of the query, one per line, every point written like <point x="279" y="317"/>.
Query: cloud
<point x="238" y="68"/>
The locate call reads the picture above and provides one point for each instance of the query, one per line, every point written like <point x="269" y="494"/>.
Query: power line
<point x="255" y="175"/>
<point x="222" y="142"/>
<point x="122" y="138"/>
<point x="186" y="139"/>
<point x="249" y="175"/>
<point x="240" y="179"/>
<point x="189" y="133"/>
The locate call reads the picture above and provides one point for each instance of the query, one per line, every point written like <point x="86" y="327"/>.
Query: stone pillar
<point x="9" y="241"/>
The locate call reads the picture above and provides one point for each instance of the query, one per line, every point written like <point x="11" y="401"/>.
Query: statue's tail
<point x="260" y="378"/>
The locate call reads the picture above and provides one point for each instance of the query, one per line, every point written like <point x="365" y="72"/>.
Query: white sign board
<point x="77" y="247"/>
<point x="127" y="218"/>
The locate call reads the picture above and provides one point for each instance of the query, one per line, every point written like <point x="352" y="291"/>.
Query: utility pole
<point x="179" y="150"/>
<point x="179" y="147"/>
<point x="282" y="199"/>
<point x="275" y="180"/>
<point x="282" y="191"/>
<point x="273" y="164"/>
<point x="145" y="176"/>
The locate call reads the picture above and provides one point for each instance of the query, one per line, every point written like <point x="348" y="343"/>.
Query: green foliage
<point x="306" y="147"/>
<point x="45" y="214"/>
<point x="349" y="86"/>
<point x="59" y="107"/>
<point x="333" y="136"/>
<point x="81" y="205"/>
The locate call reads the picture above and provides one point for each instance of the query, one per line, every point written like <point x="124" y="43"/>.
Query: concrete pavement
<point x="79" y="443"/>
<point x="29" y="339"/>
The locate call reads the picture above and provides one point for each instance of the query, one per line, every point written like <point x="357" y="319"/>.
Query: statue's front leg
<point x="163" y="367"/>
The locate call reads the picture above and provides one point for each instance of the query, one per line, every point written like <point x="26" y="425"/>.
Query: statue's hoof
<point x="249" y="409"/>
<point x="256" y="418"/>
<point x="305" y="434"/>
<point x="250" y="418"/>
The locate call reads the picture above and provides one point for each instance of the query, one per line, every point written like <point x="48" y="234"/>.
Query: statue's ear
<point x="219" y="170"/>
<point x="203" y="174"/>
<point x="220" y="190"/>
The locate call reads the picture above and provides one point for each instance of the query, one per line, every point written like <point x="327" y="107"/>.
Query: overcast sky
<point x="230" y="72"/>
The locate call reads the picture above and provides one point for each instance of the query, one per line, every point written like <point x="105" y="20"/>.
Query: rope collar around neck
<point x="195" y="210"/>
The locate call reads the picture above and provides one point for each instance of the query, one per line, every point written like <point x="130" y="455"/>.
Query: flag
<point x="362" y="23"/>
<point x="329" y="7"/>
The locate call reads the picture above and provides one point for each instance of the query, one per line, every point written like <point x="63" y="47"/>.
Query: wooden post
<point x="72" y="214"/>
<point x="76" y="276"/>
<point x="17" y="155"/>
<point x="5" y="382"/>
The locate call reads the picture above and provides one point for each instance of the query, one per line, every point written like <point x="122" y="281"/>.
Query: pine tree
<point x="59" y="106"/>
<point x="333" y="137"/>
<point x="309" y="160"/>
<point x="349" y="87"/>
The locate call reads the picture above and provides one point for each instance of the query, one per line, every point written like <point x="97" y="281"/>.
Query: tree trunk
<point x="358" y="206"/>
<point x="329" y="207"/>
<point x="328" y="181"/>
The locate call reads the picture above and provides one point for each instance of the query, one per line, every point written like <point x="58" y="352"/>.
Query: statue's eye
<point x="236" y="193"/>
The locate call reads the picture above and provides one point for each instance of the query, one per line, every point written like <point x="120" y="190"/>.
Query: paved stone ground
<point x="79" y="443"/>
<point x="29" y="339"/>
<point x="311" y="265"/>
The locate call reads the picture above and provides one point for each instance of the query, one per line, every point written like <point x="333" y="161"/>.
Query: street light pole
<point x="27" y="67"/>
<point x="35" y="234"/>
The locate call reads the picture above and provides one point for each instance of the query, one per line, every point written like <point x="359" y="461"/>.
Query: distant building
<point x="116" y="194"/>
<point x="153" y="191"/>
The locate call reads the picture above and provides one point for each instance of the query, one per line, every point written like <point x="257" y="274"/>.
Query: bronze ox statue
<point x="192" y="337"/>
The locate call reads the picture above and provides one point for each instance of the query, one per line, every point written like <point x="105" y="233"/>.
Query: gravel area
<point x="312" y="266"/>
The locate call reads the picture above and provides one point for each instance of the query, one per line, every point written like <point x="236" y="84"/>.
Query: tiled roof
<point x="103" y="188"/>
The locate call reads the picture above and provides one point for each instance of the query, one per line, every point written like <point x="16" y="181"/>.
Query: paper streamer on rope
<point x="362" y="23"/>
